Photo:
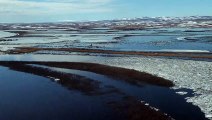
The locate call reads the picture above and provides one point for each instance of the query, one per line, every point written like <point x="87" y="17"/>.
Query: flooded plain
<point x="34" y="91"/>
<point x="170" y="39"/>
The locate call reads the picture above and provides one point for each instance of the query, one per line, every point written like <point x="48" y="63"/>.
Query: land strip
<point x="198" y="55"/>
<point x="128" y="75"/>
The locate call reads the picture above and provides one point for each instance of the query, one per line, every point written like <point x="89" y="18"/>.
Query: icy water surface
<point x="5" y="34"/>
<point x="59" y="58"/>
<point x="77" y="57"/>
<point x="166" y="39"/>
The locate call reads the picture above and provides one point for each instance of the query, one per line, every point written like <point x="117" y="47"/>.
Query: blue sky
<point x="80" y="10"/>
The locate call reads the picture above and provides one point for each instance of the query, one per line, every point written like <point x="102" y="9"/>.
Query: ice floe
<point x="53" y="78"/>
<point x="181" y="93"/>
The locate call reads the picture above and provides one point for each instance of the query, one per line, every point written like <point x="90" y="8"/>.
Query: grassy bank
<point x="128" y="75"/>
<point x="24" y="50"/>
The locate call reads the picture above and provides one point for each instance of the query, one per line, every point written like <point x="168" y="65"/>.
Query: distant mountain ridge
<point x="120" y="24"/>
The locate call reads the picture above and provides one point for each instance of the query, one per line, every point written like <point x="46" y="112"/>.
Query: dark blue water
<point x="30" y="97"/>
<point x="161" y="98"/>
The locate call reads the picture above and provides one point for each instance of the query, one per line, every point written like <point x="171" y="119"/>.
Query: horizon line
<point x="123" y="18"/>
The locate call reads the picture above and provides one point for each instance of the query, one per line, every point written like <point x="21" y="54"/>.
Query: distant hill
<point x="119" y="24"/>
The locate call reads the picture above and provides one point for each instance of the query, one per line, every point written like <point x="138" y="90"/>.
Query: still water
<point x="26" y="96"/>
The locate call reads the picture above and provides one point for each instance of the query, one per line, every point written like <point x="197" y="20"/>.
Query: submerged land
<point x="143" y="68"/>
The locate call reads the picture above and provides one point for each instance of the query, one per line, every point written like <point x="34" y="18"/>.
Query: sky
<point x="18" y="11"/>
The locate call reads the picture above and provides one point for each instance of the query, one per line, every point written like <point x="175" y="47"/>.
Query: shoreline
<point x="184" y="69"/>
<point x="128" y="75"/>
<point x="127" y="107"/>
<point x="184" y="73"/>
<point x="135" y="108"/>
<point x="196" y="55"/>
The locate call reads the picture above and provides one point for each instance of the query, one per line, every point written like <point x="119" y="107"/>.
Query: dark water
<point x="30" y="97"/>
<point x="26" y="96"/>
<point x="160" y="97"/>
